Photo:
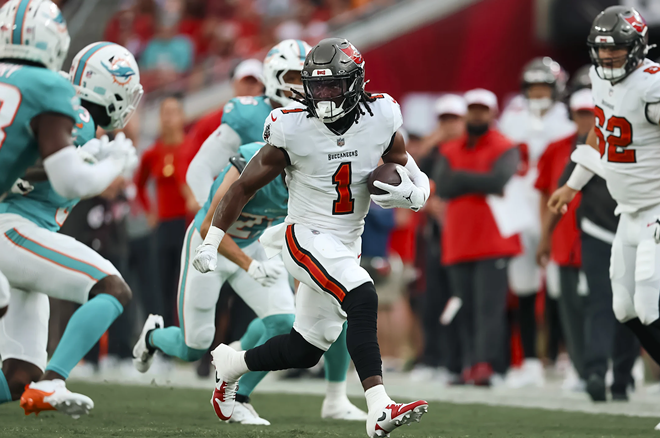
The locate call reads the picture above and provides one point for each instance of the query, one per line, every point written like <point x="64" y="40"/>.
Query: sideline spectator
<point x="560" y="250"/>
<point x="441" y="344"/>
<point x="168" y="55"/>
<point x="475" y="253"/>
<point x="164" y="162"/>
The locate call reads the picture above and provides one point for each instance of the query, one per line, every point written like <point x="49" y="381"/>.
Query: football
<point x="386" y="173"/>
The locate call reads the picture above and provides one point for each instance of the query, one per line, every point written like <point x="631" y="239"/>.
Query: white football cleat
<point x="342" y="409"/>
<point x="530" y="374"/>
<point x="244" y="413"/>
<point x="224" y="394"/>
<point x="52" y="395"/>
<point x="143" y="355"/>
<point x="381" y="422"/>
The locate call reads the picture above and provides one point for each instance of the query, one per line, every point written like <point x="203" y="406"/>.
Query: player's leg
<point x="59" y="266"/>
<point x="252" y="335"/>
<point x="525" y="280"/>
<point x="622" y="276"/>
<point x="274" y="306"/>
<point x="197" y="297"/>
<point x="23" y="341"/>
<point x="337" y="289"/>
<point x="4" y="294"/>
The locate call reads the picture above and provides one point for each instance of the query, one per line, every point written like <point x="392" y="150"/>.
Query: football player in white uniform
<point x="328" y="147"/>
<point x="534" y="119"/>
<point x="625" y="150"/>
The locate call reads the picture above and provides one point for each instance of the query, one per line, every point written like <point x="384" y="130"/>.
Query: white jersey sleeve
<point x="651" y="82"/>
<point x="392" y="107"/>
<point x="210" y="160"/>
<point x="274" y="128"/>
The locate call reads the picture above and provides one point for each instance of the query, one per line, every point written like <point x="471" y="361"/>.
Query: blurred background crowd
<point x="484" y="286"/>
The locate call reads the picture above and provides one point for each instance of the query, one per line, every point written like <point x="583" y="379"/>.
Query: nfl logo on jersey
<point x="341" y="141"/>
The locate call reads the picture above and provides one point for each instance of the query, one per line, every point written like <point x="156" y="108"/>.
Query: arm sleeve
<point x="212" y="157"/>
<point x="453" y="184"/>
<point x="73" y="178"/>
<point x="141" y="178"/>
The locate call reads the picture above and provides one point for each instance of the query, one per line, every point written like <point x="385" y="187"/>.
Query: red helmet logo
<point x="636" y="21"/>
<point x="353" y="53"/>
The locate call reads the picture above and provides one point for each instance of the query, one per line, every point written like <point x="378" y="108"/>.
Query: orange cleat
<point x="52" y="395"/>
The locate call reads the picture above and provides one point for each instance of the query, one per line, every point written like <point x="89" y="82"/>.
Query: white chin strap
<point x="328" y="112"/>
<point x="611" y="73"/>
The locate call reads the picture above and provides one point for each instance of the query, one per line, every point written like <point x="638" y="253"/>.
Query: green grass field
<point x="134" y="411"/>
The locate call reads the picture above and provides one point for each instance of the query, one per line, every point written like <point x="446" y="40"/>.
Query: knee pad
<point x="202" y="338"/>
<point x="302" y="352"/>
<point x="363" y="297"/>
<point x="622" y="303"/>
<point x="278" y="324"/>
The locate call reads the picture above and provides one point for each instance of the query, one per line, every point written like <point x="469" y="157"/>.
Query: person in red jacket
<point x="476" y="255"/>
<point x="562" y="247"/>
<point x="164" y="163"/>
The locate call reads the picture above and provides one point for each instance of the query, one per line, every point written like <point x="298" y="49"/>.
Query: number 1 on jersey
<point x="342" y="181"/>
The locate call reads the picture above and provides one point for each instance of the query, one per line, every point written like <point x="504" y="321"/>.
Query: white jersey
<point x="327" y="173"/>
<point x="628" y="142"/>
<point x="520" y="125"/>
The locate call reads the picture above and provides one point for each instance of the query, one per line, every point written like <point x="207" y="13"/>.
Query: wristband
<point x="214" y="236"/>
<point x="579" y="178"/>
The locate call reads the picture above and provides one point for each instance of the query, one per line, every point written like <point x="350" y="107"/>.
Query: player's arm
<point x="265" y="166"/>
<point x="68" y="173"/>
<point x="211" y="159"/>
<point x="585" y="169"/>
<point x="453" y="183"/>
<point x="414" y="189"/>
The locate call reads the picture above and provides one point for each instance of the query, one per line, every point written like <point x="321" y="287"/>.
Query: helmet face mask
<point x="333" y="78"/>
<point x="618" y="28"/>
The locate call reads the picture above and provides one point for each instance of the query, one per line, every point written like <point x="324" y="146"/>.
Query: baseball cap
<point x="480" y="96"/>
<point x="582" y="100"/>
<point x="249" y="67"/>
<point x="450" y="104"/>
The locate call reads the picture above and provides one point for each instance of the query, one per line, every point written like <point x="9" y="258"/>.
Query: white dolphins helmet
<point x="34" y="30"/>
<point x="108" y="75"/>
<point x="287" y="55"/>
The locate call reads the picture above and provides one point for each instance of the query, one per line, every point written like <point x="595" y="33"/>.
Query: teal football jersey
<point x="267" y="207"/>
<point x="246" y="116"/>
<point x="43" y="205"/>
<point x="26" y="92"/>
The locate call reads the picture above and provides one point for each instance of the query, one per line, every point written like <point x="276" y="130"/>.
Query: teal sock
<point x="85" y="328"/>
<point x="171" y="342"/>
<point x="337" y="359"/>
<point x="5" y="393"/>
<point x="253" y="334"/>
<point x="274" y="325"/>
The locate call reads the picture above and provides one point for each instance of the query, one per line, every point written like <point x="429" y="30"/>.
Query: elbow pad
<point x="589" y="158"/>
